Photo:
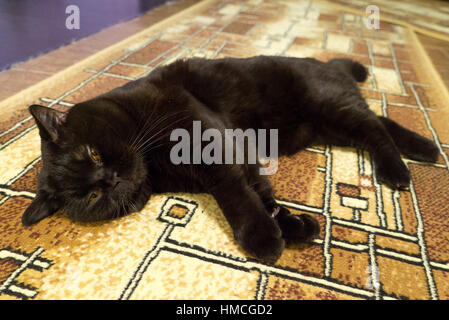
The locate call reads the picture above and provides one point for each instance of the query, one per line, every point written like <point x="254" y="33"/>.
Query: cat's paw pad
<point x="394" y="173"/>
<point x="298" y="228"/>
<point x="262" y="239"/>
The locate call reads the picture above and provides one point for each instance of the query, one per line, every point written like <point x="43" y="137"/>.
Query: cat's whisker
<point x="144" y="147"/>
<point x="154" y="139"/>
<point x="144" y="130"/>
<point x="145" y="144"/>
<point x="155" y="127"/>
<point x="132" y="204"/>
<point x="148" y="119"/>
<point x="124" y="209"/>
<point x="151" y="149"/>
<point x="140" y="132"/>
<point x="159" y="120"/>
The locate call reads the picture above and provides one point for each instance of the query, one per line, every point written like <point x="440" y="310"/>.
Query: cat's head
<point x="90" y="171"/>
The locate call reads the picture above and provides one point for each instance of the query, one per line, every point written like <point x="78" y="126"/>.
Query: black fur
<point x="308" y="101"/>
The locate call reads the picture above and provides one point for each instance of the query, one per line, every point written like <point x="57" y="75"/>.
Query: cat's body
<point x="106" y="156"/>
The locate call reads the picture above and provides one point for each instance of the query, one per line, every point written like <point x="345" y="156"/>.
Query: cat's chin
<point x="90" y="218"/>
<point x="110" y="208"/>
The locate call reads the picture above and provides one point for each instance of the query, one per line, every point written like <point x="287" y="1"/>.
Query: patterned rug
<point x="430" y="17"/>
<point x="375" y="243"/>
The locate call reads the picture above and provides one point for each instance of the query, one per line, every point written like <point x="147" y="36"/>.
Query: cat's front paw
<point x="297" y="228"/>
<point x="262" y="239"/>
<point x="393" y="172"/>
<point x="421" y="149"/>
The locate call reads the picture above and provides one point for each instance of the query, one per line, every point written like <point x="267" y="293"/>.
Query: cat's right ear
<point x="49" y="121"/>
<point x="41" y="207"/>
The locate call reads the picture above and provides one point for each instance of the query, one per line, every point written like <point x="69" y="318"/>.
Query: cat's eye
<point x="93" y="154"/>
<point x="93" y="196"/>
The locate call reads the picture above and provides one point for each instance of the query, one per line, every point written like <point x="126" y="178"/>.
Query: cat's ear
<point x="49" y="121"/>
<point x="41" y="207"/>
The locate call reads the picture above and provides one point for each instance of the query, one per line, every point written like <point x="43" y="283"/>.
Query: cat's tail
<point x="354" y="68"/>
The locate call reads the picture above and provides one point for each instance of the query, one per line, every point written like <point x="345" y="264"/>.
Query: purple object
<point x="30" y="28"/>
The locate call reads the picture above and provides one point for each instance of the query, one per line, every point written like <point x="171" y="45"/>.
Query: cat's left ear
<point x="49" y="121"/>
<point x="42" y="206"/>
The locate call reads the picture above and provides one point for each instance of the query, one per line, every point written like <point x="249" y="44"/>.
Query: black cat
<point x="106" y="156"/>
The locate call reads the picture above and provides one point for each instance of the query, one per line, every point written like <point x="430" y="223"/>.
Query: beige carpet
<point x="375" y="243"/>
<point x="430" y="17"/>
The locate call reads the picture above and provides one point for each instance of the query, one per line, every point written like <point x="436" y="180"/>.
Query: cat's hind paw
<point x="421" y="149"/>
<point x="297" y="228"/>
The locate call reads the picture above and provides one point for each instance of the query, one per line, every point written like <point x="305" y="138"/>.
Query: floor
<point x="32" y="28"/>
<point x="438" y="51"/>
<point x="374" y="243"/>
<point x="25" y="74"/>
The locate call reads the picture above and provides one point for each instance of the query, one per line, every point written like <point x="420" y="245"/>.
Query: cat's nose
<point x="115" y="180"/>
<point x="112" y="178"/>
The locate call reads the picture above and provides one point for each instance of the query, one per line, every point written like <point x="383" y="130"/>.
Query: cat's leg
<point x="356" y="125"/>
<point x="253" y="226"/>
<point x="411" y="144"/>
<point x="295" y="228"/>
<point x="292" y="141"/>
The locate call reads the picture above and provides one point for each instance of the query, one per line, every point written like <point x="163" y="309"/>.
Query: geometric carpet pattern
<point x="374" y="243"/>
<point x="430" y="17"/>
